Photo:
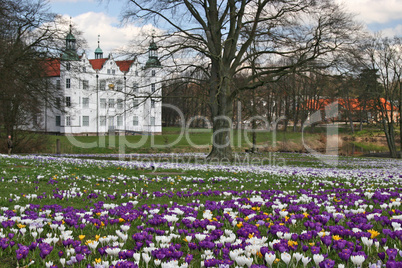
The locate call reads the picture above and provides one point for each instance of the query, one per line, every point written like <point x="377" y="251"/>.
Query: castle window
<point x="135" y="120"/>
<point x="103" y="103"/>
<point x="111" y="103"/>
<point x="68" y="101"/>
<point x="135" y="87"/>
<point x="119" y="86"/>
<point x="68" y="120"/>
<point x="102" y="85"/>
<point x="85" y="121"/>
<point x="58" y="103"/>
<point x="119" y="104"/>
<point x="85" y="84"/>
<point x="111" y="121"/>
<point x="68" y="83"/>
<point x="58" y="120"/>
<point x="85" y="102"/>
<point x="102" y="121"/>
<point x="119" y="120"/>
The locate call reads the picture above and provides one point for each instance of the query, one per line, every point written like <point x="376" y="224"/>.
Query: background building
<point x="103" y="95"/>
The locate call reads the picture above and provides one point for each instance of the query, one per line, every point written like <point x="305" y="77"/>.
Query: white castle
<point x="103" y="95"/>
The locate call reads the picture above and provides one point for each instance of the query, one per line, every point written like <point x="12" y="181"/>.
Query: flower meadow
<point x="78" y="211"/>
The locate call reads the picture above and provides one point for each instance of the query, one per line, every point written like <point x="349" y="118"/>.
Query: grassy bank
<point x="172" y="140"/>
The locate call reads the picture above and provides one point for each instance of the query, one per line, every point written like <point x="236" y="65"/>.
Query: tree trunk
<point x="352" y="127"/>
<point x="390" y="135"/>
<point x="400" y="129"/>
<point x="222" y="112"/>
<point x="222" y="124"/>
<point x="400" y="119"/>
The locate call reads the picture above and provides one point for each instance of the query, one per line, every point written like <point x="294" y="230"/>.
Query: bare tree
<point x="29" y="38"/>
<point x="217" y="36"/>
<point x="384" y="59"/>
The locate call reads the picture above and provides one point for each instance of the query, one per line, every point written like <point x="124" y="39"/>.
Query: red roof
<point x="124" y="65"/>
<point x="353" y="104"/>
<point x="52" y="67"/>
<point x="97" y="63"/>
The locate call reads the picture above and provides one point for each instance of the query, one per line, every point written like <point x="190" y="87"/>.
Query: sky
<point x="94" y="17"/>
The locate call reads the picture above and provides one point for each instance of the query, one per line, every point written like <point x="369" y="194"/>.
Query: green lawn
<point x="171" y="140"/>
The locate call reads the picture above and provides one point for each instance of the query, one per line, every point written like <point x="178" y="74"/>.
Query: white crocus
<point x="137" y="257"/>
<point x="305" y="260"/>
<point x="297" y="256"/>
<point x="317" y="259"/>
<point x="146" y="258"/>
<point x="270" y="258"/>
<point x="357" y="260"/>
<point x="188" y="238"/>
<point x="286" y="257"/>
<point x="367" y="242"/>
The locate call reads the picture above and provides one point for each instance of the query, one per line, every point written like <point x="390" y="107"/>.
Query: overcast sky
<point x="94" y="18"/>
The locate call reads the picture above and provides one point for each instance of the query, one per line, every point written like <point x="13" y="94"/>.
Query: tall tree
<point x="384" y="60"/>
<point x="29" y="37"/>
<point x="217" y="35"/>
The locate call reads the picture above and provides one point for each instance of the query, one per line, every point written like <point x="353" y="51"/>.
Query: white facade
<point x="102" y="95"/>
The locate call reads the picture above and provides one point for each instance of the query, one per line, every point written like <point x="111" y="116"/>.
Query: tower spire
<point x="98" y="50"/>
<point x="153" y="60"/>
<point x="70" y="52"/>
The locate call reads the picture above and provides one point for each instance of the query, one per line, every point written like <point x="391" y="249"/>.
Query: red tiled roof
<point x="52" y="67"/>
<point x="97" y="63"/>
<point x="124" y="65"/>
<point x="353" y="104"/>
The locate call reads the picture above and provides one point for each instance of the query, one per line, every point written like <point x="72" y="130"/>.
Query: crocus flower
<point x="318" y="258"/>
<point x="270" y="258"/>
<point x="286" y="257"/>
<point x="305" y="260"/>
<point x="357" y="260"/>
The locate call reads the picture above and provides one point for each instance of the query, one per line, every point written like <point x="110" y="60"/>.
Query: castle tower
<point x="98" y="51"/>
<point x="70" y="52"/>
<point x="153" y="60"/>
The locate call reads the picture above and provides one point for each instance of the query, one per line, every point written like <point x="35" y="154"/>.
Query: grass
<point x="43" y="177"/>
<point x="172" y="140"/>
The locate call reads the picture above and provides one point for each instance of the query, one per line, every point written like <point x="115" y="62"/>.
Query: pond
<point x="353" y="148"/>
